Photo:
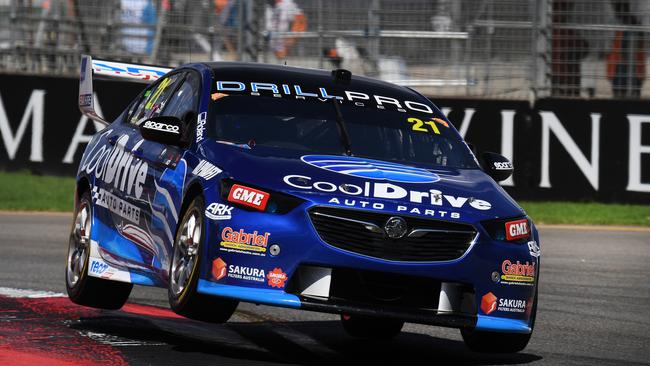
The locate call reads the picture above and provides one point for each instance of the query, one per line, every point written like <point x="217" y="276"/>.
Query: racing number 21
<point x="418" y="125"/>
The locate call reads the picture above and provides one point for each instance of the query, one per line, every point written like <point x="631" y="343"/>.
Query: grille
<point x="362" y="232"/>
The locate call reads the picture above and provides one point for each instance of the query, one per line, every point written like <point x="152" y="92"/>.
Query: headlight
<point x="516" y="230"/>
<point x="250" y="197"/>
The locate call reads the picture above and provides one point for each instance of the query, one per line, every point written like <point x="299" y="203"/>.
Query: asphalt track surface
<point x="593" y="310"/>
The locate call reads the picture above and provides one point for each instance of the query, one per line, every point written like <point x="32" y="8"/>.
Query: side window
<point x="154" y="100"/>
<point x="185" y="100"/>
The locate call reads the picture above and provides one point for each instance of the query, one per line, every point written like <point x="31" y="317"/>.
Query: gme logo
<point x="247" y="196"/>
<point x="488" y="303"/>
<point x="517" y="229"/>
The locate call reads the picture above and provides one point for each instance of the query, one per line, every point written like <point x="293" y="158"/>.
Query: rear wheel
<point x="371" y="328"/>
<point x="184" y="271"/>
<point x="83" y="289"/>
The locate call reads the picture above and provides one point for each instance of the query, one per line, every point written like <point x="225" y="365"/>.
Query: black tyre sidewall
<point x="75" y="292"/>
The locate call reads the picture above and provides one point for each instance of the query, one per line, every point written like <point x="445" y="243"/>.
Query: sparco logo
<point x="117" y="166"/>
<point x="158" y="126"/>
<point x="386" y="191"/>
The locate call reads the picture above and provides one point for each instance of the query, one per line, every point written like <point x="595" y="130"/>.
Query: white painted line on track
<point x="32" y="294"/>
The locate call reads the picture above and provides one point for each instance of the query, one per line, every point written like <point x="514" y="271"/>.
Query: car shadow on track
<point x="171" y="341"/>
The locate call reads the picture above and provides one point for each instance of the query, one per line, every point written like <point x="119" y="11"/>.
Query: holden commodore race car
<point x="299" y="188"/>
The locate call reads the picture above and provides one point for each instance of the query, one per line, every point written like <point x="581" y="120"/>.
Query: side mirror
<point x="496" y="166"/>
<point x="167" y="130"/>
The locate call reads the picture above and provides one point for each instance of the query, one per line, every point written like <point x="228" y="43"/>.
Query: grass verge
<point x="587" y="213"/>
<point x="24" y="191"/>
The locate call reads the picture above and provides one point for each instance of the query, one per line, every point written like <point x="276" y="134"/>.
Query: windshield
<point x="312" y="126"/>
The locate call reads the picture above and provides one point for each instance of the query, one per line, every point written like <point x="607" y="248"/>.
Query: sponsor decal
<point x="296" y="91"/>
<point x="426" y="126"/>
<point x="206" y="170"/>
<point x="164" y="127"/>
<point x="101" y="269"/>
<point x="134" y="71"/>
<point x="433" y="197"/>
<point x="502" y="165"/>
<point x="247" y="196"/>
<point x="517" y="229"/>
<point x="246" y="273"/>
<point x="277" y="278"/>
<point x="98" y="268"/>
<point x="219" y="269"/>
<point x="533" y="249"/>
<point x="116" y="205"/>
<point x="243" y="242"/>
<point x="114" y="165"/>
<point x="371" y="169"/>
<point x="490" y="303"/>
<point x="218" y="211"/>
<point x="85" y="100"/>
<point x="517" y="273"/>
<point x="200" y="126"/>
<point x="399" y="208"/>
<point x="512" y="305"/>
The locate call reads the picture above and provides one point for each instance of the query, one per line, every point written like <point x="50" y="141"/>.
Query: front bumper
<point x="302" y="247"/>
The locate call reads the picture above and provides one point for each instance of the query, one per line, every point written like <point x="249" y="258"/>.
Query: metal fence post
<point x="540" y="52"/>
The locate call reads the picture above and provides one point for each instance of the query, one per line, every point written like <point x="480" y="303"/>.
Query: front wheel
<point x="184" y="271"/>
<point x="371" y="328"/>
<point x="83" y="289"/>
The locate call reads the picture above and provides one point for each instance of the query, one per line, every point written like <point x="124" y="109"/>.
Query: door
<point x="176" y="95"/>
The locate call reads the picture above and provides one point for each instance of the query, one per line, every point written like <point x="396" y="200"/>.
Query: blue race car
<point x="299" y="188"/>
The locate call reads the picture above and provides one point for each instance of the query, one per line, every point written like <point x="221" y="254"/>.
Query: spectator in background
<point x="136" y="15"/>
<point x="283" y="16"/>
<point x="626" y="61"/>
<point x="227" y="12"/>
<point x="568" y="50"/>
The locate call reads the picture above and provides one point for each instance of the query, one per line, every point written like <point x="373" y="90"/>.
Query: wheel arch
<point x="193" y="190"/>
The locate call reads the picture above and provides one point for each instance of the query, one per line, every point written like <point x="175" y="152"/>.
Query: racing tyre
<point x="184" y="271"/>
<point x="371" y="328"/>
<point x="494" y="342"/>
<point x="83" y="289"/>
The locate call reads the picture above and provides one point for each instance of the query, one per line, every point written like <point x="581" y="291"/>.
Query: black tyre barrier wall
<point x="578" y="150"/>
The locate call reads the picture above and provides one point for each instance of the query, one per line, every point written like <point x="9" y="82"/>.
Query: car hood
<point x="467" y="195"/>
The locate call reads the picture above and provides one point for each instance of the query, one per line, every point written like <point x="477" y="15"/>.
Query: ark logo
<point x="371" y="169"/>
